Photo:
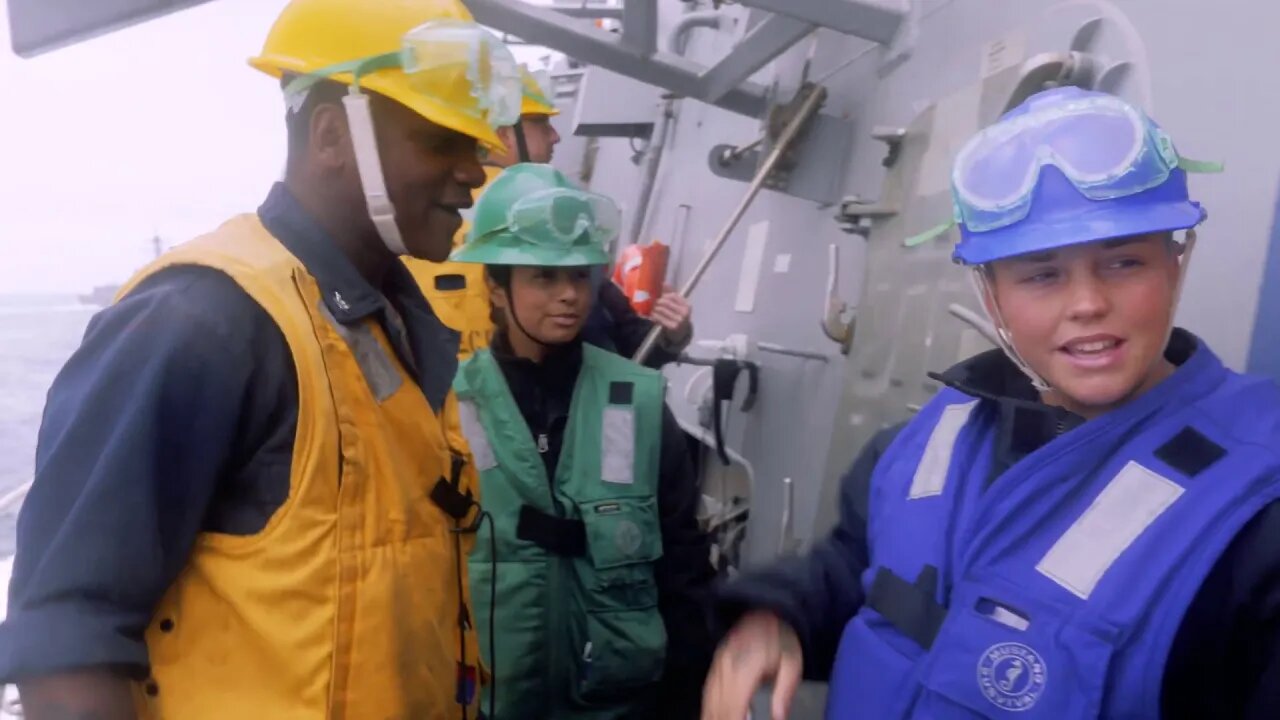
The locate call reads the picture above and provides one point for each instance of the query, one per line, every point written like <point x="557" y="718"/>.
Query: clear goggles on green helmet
<point x="560" y="218"/>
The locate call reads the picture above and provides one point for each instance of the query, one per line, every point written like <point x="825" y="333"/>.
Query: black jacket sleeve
<point x="817" y="593"/>
<point x="684" y="576"/>
<point x="1225" y="659"/>
<point x="626" y="329"/>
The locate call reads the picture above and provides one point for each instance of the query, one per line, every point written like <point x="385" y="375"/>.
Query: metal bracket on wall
<point x="812" y="168"/>
<point x="834" y="325"/>
<point x="855" y="214"/>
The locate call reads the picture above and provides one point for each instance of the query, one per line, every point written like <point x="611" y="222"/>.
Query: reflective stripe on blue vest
<point x="1056" y="592"/>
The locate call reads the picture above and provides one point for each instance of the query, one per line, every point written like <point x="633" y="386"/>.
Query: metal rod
<point x="779" y="350"/>
<point x="691" y="360"/>
<point x="676" y="243"/>
<point x="785" y="537"/>
<point x="788" y="135"/>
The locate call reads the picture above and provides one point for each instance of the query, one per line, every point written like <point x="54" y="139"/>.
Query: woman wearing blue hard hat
<point x="1081" y="524"/>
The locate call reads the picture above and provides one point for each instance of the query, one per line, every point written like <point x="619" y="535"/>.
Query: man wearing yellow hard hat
<point x="248" y="501"/>
<point x="458" y="292"/>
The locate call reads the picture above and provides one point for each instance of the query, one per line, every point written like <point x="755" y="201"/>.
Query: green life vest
<point x="577" y="631"/>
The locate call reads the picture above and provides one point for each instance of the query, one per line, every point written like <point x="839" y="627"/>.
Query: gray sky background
<point x="160" y="128"/>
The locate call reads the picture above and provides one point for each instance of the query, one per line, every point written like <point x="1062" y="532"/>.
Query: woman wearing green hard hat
<point x="597" y="610"/>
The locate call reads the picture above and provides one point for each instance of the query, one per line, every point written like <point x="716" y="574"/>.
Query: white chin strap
<point x="1188" y="244"/>
<point x="987" y="299"/>
<point x="365" y="142"/>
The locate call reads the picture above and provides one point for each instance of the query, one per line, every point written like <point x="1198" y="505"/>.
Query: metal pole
<point x="807" y="110"/>
<point x="780" y="350"/>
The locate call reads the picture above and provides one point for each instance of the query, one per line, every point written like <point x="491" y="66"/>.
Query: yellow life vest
<point x="346" y="605"/>
<point x="462" y="306"/>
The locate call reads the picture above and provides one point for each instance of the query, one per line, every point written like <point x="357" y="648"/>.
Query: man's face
<point x="430" y="172"/>
<point x="1091" y="320"/>
<point x="540" y="136"/>
<point x="540" y="139"/>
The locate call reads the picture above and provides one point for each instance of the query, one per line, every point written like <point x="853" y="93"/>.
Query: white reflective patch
<point x="1126" y="507"/>
<point x="931" y="474"/>
<point x="1010" y="619"/>
<point x="375" y="364"/>
<point x="618" y="445"/>
<point x="481" y="450"/>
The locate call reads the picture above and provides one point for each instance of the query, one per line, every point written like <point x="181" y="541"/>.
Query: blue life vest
<point x="1057" y="591"/>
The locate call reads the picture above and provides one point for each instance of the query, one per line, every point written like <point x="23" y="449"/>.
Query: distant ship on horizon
<point x="103" y="295"/>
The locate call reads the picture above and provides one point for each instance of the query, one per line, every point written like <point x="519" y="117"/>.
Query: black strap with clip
<point x="724" y="376"/>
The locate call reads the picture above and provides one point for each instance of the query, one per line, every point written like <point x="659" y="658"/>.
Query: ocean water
<point x="37" y="335"/>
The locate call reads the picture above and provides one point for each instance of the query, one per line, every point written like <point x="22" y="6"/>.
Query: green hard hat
<point x="531" y="214"/>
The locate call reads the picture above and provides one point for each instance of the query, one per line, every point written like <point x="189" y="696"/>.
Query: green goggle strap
<point x="930" y="234"/>
<point x="1199" y="166"/>
<point x="357" y="68"/>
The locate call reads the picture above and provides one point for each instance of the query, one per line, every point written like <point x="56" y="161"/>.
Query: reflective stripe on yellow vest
<point x="457" y="291"/>
<point x="346" y="605"/>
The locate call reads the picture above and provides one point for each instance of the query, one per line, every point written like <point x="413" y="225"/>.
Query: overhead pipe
<point x="652" y="161"/>
<point x="677" y="38"/>
<point x="676" y="43"/>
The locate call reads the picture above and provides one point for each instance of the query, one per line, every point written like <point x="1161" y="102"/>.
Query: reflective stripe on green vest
<point x="576" y="636"/>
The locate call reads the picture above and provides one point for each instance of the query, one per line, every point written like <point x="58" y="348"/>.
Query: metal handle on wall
<point x="834" y="326"/>
<point x="786" y="539"/>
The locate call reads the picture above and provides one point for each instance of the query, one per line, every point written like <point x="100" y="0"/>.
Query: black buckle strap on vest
<point x="724" y="376"/>
<point x="448" y="496"/>
<point x="451" y="281"/>
<point x="558" y="535"/>
<point x="910" y="608"/>
<point x="452" y="501"/>
<point x="1190" y="452"/>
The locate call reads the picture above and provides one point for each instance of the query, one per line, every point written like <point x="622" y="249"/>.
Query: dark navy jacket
<point x="1225" y="661"/>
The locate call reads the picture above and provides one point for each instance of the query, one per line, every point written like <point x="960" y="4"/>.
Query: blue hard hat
<point x="1068" y="166"/>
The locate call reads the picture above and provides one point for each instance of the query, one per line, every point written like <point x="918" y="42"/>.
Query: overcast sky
<point x="161" y="128"/>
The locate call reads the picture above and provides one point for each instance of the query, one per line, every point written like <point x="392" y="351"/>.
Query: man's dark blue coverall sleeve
<point x="819" y="592"/>
<point x="138" y="428"/>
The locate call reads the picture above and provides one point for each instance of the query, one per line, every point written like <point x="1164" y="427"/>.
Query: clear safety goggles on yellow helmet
<point x="453" y="62"/>
<point x="455" y="68"/>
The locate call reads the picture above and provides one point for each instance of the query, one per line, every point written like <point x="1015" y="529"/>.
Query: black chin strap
<point x="522" y="146"/>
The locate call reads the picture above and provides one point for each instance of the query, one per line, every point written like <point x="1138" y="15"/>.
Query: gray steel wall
<point x="1198" y="67"/>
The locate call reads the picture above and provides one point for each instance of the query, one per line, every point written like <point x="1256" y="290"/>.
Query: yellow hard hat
<point x="313" y="36"/>
<point x="534" y="98"/>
